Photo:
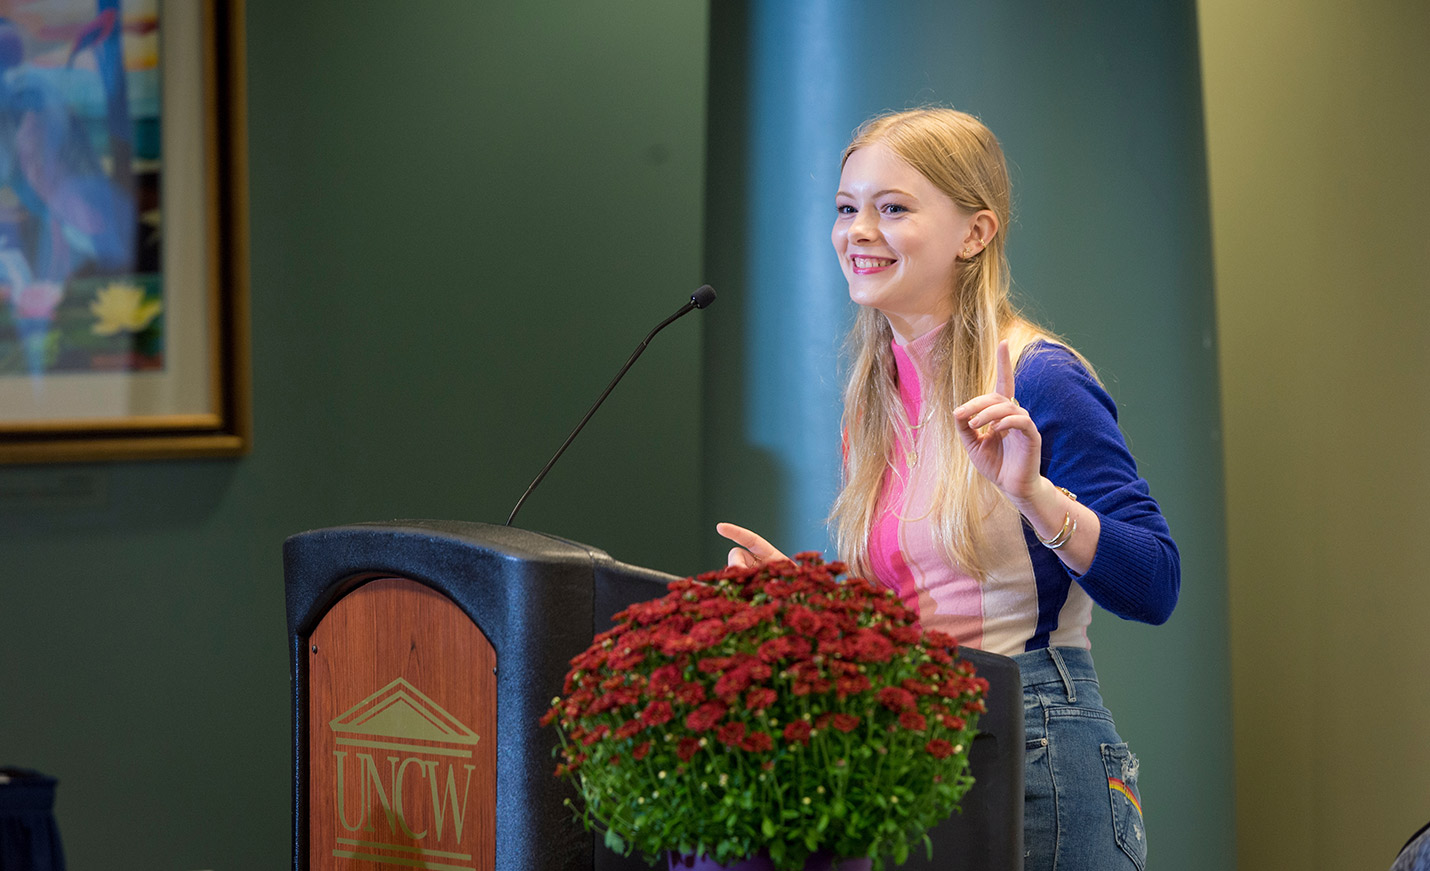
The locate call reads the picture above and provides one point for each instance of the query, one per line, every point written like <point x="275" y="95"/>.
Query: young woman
<point x="985" y="477"/>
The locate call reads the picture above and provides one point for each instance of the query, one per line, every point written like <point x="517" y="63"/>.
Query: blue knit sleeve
<point x="1136" y="572"/>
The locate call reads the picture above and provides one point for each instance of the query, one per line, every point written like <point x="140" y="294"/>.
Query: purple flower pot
<point x="818" y="862"/>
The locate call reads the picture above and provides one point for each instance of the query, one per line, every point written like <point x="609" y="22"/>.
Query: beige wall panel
<point x="1318" y="127"/>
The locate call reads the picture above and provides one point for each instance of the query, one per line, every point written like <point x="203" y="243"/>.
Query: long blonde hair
<point x="961" y="157"/>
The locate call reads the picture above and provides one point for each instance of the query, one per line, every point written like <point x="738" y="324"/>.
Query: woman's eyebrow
<point x="877" y="194"/>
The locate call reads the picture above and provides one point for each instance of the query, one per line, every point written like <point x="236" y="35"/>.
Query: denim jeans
<point x="1082" y="810"/>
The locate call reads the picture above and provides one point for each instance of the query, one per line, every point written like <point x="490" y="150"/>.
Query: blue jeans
<point x="1082" y="810"/>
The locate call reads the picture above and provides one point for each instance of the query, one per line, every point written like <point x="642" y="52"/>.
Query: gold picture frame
<point x="192" y="396"/>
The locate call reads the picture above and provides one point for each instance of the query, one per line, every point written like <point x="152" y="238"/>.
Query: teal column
<point x="1098" y="106"/>
<point x="778" y="119"/>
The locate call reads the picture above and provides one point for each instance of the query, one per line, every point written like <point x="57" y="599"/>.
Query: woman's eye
<point x="844" y="209"/>
<point x="894" y="209"/>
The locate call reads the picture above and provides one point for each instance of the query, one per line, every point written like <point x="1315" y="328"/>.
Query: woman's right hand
<point x="752" y="551"/>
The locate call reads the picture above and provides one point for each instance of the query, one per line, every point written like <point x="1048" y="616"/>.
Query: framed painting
<point x="123" y="230"/>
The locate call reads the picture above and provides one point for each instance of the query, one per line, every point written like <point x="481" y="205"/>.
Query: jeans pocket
<point x="1121" y="765"/>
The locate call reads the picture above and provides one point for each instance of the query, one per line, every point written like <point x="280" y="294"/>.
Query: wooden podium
<point x="423" y="654"/>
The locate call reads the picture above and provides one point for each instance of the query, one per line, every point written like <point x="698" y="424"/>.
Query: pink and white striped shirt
<point x="1001" y="614"/>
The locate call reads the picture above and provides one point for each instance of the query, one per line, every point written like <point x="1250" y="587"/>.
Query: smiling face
<point x="899" y="238"/>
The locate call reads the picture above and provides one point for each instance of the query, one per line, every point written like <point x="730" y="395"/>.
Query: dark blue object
<point x="29" y="837"/>
<point x="1415" y="855"/>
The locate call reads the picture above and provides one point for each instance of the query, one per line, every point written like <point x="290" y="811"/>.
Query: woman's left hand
<point x="1009" y="451"/>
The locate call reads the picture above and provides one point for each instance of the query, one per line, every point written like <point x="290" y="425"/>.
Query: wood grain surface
<point x="402" y="734"/>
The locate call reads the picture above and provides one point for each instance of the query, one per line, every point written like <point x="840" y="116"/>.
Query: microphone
<point x="701" y="298"/>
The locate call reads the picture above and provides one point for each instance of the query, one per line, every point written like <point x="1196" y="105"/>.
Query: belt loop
<point x="1063" y="671"/>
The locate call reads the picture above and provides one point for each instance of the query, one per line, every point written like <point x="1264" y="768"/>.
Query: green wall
<point x="464" y="217"/>
<point x="1318" y="128"/>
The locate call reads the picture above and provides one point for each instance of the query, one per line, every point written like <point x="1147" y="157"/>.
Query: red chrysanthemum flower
<point x="847" y="685"/>
<point x="918" y="688"/>
<point x="596" y="734"/>
<point x="714" y="664"/>
<point x="690" y="693"/>
<point x="797" y="732"/>
<point x="704" y="718"/>
<point x="646" y="613"/>
<point x="686" y="748"/>
<point x="664" y="679"/>
<point x="610" y="634"/>
<point x="717" y="607"/>
<point x="731" y="733"/>
<point x="733" y="682"/>
<point x="674" y="644"/>
<point x="749" y="617"/>
<point x="627" y="661"/>
<point x="913" y="721"/>
<point x="872" y="646"/>
<point x="803" y="620"/>
<point x="708" y="633"/>
<point x="758" y="742"/>
<point x="904" y="635"/>
<point x="939" y="748"/>
<point x="657" y="713"/>
<point x="895" y="698"/>
<point x="759" y="698"/>
<point x="935" y="638"/>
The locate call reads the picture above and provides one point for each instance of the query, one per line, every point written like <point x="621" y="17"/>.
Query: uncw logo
<point x="401" y="802"/>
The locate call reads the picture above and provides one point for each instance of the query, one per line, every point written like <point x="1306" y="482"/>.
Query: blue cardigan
<point x="1136" y="573"/>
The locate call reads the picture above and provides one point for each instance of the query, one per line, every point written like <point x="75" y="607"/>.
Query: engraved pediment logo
<point x="399" y="710"/>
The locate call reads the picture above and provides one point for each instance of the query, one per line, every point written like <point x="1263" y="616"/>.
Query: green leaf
<point x="614" y="841"/>
<point x="768" y="827"/>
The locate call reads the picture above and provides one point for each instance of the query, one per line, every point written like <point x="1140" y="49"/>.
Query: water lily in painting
<point x="122" y="308"/>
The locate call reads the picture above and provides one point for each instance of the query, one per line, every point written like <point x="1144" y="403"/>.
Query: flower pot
<point x="818" y="862"/>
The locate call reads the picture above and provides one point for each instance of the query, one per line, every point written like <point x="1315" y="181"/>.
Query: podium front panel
<point x="402" y="738"/>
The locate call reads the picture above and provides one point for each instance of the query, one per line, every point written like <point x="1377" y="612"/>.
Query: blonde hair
<point x="961" y="157"/>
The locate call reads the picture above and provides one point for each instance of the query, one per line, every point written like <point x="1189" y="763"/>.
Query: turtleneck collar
<point x="911" y="365"/>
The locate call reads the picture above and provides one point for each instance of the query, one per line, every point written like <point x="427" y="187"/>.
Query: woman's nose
<point x="865" y="226"/>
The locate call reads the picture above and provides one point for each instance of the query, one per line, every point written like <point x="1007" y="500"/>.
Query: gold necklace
<point x="911" y="451"/>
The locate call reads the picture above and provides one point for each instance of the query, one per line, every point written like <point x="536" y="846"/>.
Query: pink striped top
<point x="1000" y="614"/>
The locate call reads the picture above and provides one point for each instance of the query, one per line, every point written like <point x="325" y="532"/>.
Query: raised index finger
<point x="1003" y="380"/>
<point x="751" y="541"/>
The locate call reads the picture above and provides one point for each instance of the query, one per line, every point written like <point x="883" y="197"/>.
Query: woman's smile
<point x="870" y="265"/>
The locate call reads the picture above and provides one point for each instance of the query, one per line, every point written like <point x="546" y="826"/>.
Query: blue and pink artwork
<point x="80" y="272"/>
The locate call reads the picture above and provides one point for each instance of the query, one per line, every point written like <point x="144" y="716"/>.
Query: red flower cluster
<point x="761" y="660"/>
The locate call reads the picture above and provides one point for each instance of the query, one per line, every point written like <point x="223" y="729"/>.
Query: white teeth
<point x="871" y="262"/>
